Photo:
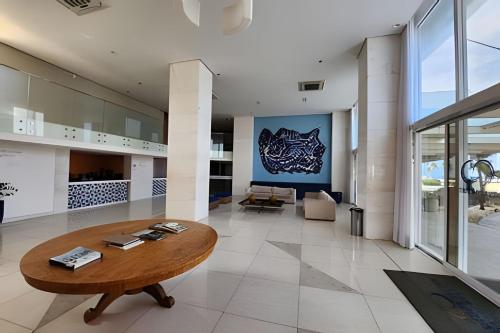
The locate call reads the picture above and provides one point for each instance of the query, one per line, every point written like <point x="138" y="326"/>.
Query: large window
<point x="458" y="158"/>
<point x="436" y="44"/>
<point x="483" y="44"/>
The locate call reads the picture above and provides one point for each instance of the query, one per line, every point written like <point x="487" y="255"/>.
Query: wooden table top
<point x="119" y="270"/>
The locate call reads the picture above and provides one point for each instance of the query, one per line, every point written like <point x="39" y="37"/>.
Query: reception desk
<point x="97" y="193"/>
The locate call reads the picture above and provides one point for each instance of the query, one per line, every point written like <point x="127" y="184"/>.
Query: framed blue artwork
<point x="292" y="149"/>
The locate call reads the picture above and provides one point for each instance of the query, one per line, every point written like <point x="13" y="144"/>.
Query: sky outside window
<point x="483" y="44"/>
<point x="437" y="59"/>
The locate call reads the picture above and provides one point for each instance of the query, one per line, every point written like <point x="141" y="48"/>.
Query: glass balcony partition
<point x="13" y="94"/>
<point x="23" y="96"/>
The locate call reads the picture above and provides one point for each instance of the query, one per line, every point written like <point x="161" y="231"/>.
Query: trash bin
<point x="356" y="221"/>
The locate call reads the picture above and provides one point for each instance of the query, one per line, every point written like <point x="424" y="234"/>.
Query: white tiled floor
<point x="271" y="301"/>
<point x="276" y="269"/>
<point x="334" y="311"/>
<point x="247" y="285"/>
<point x="230" y="324"/>
<point x="204" y="288"/>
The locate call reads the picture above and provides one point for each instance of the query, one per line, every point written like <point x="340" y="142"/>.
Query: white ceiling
<point x="264" y="63"/>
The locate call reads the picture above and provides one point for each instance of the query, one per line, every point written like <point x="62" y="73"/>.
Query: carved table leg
<point x="155" y="290"/>
<point x="159" y="295"/>
<point x="103" y="303"/>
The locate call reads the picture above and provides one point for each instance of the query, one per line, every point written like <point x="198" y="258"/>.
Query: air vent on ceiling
<point x="81" y="7"/>
<point x="311" y="85"/>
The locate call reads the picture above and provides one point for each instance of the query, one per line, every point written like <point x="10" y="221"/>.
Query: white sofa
<point x="319" y="206"/>
<point x="289" y="195"/>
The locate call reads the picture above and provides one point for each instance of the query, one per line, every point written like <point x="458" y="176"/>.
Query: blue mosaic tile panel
<point x="159" y="186"/>
<point x="95" y="194"/>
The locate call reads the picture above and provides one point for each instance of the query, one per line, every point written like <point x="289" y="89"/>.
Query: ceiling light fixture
<point x="192" y="10"/>
<point x="238" y="16"/>
<point x="397" y="25"/>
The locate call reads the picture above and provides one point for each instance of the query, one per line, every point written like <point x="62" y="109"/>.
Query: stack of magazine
<point x="149" y="234"/>
<point x="76" y="258"/>
<point x="173" y="227"/>
<point x="123" y="242"/>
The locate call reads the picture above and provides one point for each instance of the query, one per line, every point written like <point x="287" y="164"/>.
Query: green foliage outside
<point x="431" y="182"/>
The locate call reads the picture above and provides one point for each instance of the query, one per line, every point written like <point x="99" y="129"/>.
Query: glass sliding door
<point x="481" y="219"/>
<point x="454" y="234"/>
<point x="433" y="190"/>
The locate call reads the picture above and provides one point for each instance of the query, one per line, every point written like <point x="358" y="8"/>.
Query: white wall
<point x="61" y="175"/>
<point x="379" y="64"/>
<point x="30" y="168"/>
<point x="242" y="153"/>
<point x="341" y="153"/>
<point x="139" y="169"/>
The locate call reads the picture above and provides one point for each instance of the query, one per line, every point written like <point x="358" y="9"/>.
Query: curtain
<point x="403" y="233"/>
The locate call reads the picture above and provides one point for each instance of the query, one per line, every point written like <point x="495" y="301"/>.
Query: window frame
<point x="464" y="107"/>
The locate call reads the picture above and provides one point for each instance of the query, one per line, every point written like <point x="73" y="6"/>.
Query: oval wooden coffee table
<point x="136" y="270"/>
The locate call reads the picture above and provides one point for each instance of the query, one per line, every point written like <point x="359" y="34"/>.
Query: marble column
<point x="189" y="126"/>
<point x="341" y="150"/>
<point x="379" y="63"/>
<point x="242" y="154"/>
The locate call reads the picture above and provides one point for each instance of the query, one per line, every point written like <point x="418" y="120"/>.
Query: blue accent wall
<point x="302" y="124"/>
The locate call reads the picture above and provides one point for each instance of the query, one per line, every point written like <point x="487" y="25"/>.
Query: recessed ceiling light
<point x="397" y="25"/>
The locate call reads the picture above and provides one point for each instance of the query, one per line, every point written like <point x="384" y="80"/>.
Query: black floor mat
<point x="446" y="303"/>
